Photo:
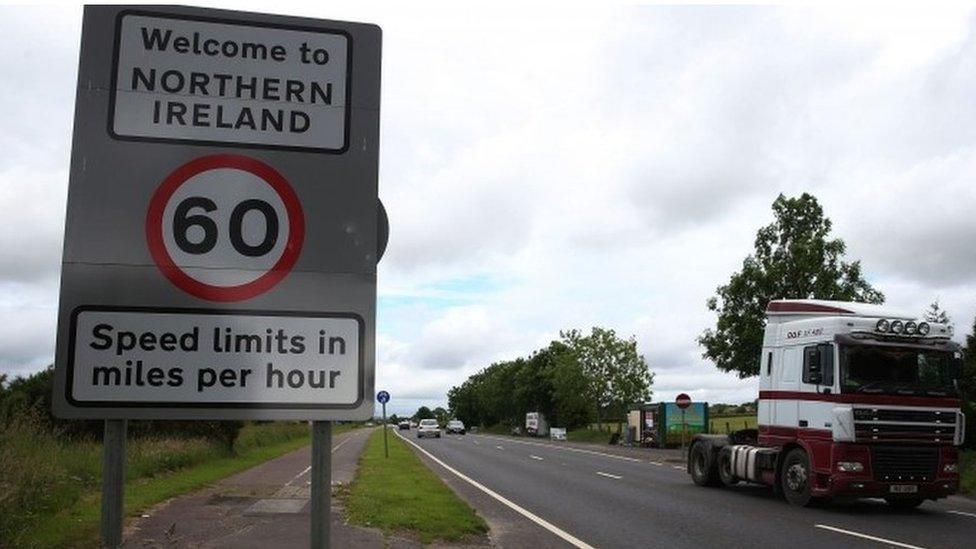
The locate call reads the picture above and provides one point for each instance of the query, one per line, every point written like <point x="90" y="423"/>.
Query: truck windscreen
<point x="899" y="371"/>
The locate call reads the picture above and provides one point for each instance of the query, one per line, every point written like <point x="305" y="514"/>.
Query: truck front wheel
<point x="795" y="477"/>
<point x="702" y="466"/>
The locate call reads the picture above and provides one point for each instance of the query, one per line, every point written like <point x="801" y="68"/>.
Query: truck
<point x="536" y="424"/>
<point x="855" y="401"/>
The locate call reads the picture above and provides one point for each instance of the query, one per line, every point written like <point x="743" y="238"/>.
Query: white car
<point x="455" y="426"/>
<point x="428" y="428"/>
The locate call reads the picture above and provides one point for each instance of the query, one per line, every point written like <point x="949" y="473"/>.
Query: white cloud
<point x="568" y="168"/>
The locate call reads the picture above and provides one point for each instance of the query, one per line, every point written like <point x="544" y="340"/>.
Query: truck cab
<point x="855" y="400"/>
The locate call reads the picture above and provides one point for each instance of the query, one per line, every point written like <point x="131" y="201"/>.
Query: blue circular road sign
<point x="383" y="397"/>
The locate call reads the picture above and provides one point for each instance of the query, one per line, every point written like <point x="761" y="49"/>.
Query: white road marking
<point x="658" y="463"/>
<point x="535" y="457"/>
<point x="679" y="467"/>
<point x="866" y="536"/>
<point x="963" y="513"/>
<point x="601" y="473"/>
<point x="475" y="441"/>
<point x="567" y="448"/>
<point x="309" y="468"/>
<point x="564" y="535"/>
<point x="499" y="447"/>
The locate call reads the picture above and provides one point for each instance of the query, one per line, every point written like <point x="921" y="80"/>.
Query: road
<point x="592" y="498"/>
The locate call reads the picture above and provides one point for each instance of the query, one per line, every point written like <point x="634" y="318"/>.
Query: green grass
<point x="49" y="488"/>
<point x="967" y="472"/>
<point x="400" y="494"/>
<point x="723" y="424"/>
<point x="588" y="435"/>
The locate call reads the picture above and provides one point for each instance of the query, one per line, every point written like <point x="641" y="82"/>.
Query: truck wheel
<point x="702" y="466"/>
<point x="904" y="503"/>
<point x="795" y="477"/>
<point x="725" y="467"/>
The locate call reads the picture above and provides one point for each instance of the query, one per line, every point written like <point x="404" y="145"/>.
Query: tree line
<point x="574" y="381"/>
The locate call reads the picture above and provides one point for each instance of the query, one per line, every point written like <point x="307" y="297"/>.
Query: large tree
<point x="616" y="374"/>
<point x="967" y="386"/>
<point x="795" y="257"/>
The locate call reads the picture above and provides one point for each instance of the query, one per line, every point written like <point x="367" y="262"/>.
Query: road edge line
<point x="565" y="536"/>
<point x="866" y="536"/>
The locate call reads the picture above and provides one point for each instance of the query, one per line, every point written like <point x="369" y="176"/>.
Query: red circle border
<point x="210" y="292"/>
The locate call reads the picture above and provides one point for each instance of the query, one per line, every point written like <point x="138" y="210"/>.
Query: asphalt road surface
<point x="592" y="498"/>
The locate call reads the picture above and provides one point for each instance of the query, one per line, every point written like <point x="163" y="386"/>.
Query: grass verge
<point x="60" y="502"/>
<point x="588" y="435"/>
<point x="967" y="472"/>
<point x="400" y="494"/>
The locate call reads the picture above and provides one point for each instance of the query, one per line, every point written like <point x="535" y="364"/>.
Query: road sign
<point x="222" y="235"/>
<point x="682" y="401"/>
<point x="383" y="397"/>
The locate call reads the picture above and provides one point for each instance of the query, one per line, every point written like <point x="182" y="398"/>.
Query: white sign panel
<point x="205" y="80"/>
<point x="191" y="358"/>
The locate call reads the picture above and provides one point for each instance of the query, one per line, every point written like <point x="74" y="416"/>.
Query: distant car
<point x="455" y="426"/>
<point x="428" y="428"/>
<point x="404" y="425"/>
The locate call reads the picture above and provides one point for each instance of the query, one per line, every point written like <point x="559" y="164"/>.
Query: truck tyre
<point x="725" y="467"/>
<point x="904" y="503"/>
<point x="795" y="477"/>
<point x="702" y="465"/>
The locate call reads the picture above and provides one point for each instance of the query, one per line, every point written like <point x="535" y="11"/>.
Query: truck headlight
<point x="950" y="468"/>
<point x="850" y="466"/>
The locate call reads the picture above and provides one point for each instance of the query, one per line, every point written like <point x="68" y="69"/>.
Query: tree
<point x="441" y="415"/>
<point x="616" y="375"/>
<point x="424" y="413"/>
<point x="794" y="258"/>
<point x="394" y="419"/>
<point x="936" y="314"/>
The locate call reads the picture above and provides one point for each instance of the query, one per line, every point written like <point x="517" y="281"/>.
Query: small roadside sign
<point x="682" y="401"/>
<point x="383" y="397"/>
<point x="222" y="235"/>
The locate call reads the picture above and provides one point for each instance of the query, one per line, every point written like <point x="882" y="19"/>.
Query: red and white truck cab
<point x="855" y="400"/>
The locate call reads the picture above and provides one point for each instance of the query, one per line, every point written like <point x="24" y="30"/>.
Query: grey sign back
<point x="221" y="234"/>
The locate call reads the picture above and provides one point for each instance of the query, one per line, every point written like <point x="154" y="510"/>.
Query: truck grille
<point x="895" y="463"/>
<point x="920" y="416"/>
<point x="880" y="432"/>
<point x="907" y="426"/>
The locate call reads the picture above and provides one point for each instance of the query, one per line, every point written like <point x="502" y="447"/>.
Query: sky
<point x="555" y="167"/>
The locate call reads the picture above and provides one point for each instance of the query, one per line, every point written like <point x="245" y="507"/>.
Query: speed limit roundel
<point x="225" y="227"/>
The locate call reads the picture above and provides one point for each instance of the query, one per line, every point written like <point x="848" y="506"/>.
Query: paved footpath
<point x="266" y="506"/>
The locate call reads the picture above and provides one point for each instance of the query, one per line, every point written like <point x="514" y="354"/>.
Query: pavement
<point x="265" y="506"/>
<point x="600" y="496"/>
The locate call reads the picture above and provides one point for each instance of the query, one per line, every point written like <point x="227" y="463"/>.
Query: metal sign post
<point x="383" y="397"/>
<point x="236" y="156"/>
<point x="683" y="401"/>
<point x="113" y="482"/>
<point x="321" y="519"/>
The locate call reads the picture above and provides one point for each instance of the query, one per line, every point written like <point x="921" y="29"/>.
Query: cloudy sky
<point x="562" y="168"/>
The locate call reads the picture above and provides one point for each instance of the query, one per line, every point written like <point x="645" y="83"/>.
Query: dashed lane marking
<point x="562" y="534"/>
<point x="566" y="448"/>
<point x="658" y="463"/>
<point x="309" y="468"/>
<point x="535" y="457"/>
<point x="866" y="536"/>
<point x="601" y="473"/>
<point x="963" y="513"/>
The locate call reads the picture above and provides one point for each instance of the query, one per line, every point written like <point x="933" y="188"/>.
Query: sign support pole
<point x="386" y="449"/>
<point x="321" y="484"/>
<point x="684" y="431"/>
<point x="113" y="482"/>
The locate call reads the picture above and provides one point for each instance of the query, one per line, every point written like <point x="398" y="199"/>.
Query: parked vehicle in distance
<point x="404" y="425"/>
<point x="429" y="428"/>
<point x="455" y="426"/>
<point x="536" y="424"/>
<point x="855" y="400"/>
